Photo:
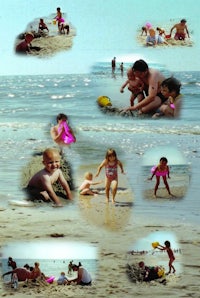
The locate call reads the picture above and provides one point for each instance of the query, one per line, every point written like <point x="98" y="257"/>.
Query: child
<point x="135" y="85"/>
<point x="40" y="185"/>
<point x="111" y="163"/>
<point x="152" y="39"/>
<point x="62" y="133"/>
<point x="162" y="170"/>
<point x="24" y="46"/>
<point x="42" y="26"/>
<point x="170" y="253"/>
<point x="85" y="189"/>
<point x="62" y="280"/>
<point x="170" y="88"/>
<point x="59" y="18"/>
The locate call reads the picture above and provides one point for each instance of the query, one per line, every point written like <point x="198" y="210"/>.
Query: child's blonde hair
<point x="88" y="175"/>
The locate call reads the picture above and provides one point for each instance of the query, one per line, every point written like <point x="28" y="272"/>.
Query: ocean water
<point x="28" y="108"/>
<point x="53" y="267"/>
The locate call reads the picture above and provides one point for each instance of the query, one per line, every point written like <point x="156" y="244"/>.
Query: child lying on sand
<point x="40" y="185"/>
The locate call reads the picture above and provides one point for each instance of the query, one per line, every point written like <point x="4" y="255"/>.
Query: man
<point x="152" y="79"/>
<point x="180" y="30"/>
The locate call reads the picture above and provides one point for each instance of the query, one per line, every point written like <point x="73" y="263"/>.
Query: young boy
<point x="40" y="185"/>
<point x="85" y="189"/>
<point x="170" y="88"/>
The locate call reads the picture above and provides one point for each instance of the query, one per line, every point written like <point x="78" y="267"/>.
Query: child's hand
<point x="121" y="90"/>
<point x="150" y="178"/>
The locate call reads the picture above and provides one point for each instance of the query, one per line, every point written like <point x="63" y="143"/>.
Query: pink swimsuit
<point x="67" y="137"/>
<point x="111" y="171"/>
<point x="159" y="172"/>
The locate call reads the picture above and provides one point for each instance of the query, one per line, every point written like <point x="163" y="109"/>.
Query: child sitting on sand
<point x="24" y="46"/>
<point x="135" y="85"/>
<point x="62" y="280"/>
<point x="111" y="163"/>
<point x="170" y="253"/>
<point x="40" y="185"/>
<point x="85" y="189"/>
<point x="153" y="39"/>
<point x="161" y="170"/>
<point x="170" y="88"/>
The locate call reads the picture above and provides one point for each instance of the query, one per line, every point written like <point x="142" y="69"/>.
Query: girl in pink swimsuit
<point x="161" y="170"/>
<point x="111" y="163"/>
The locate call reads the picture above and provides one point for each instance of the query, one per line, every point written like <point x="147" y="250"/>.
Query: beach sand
<point x="178" y="193"/>
<point x="112" y="279"/>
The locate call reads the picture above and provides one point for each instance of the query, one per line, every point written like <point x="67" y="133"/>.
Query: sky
<point x="104" y="29"/>
<point x="161" y="236"/>
<point x="49" y="250"/>
<point x="173" y="155"/>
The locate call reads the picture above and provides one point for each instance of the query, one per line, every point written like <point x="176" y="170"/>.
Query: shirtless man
<point x="180" y="30"/>
<point x="40" y="185"/>
<point x="152" y="80"/>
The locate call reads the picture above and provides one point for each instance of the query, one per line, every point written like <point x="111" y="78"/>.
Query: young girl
<point x="62" y="133"/>
<point x="161" y="170"/>
<point x="135" y="85"/>
<point x="85" y="189"/>
<point x="170" y="253"/>
<point x="111" y="164"/>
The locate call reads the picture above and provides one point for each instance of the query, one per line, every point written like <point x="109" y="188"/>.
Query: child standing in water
<point x="161" y="170"/>
<point x="111" y="163"/>
<point x="135" y="86"/>
<point x="170" y="253"/>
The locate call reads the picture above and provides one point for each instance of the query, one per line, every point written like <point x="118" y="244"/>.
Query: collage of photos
<point x="100" y="133"/>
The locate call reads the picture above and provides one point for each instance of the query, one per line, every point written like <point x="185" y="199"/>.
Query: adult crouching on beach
<point x="83" y="276"/>
<point x="152" y="79"/>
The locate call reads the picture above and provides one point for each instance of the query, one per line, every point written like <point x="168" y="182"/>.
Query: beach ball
<point x="54" y="22"/>
<point x="104" y="101"/>
<point x="155" y="244"/>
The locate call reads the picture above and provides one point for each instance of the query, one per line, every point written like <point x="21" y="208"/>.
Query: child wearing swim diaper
<point x="161" y="170"/>
<point x="85" y="189"/>
<point x="111" y="163"/>
<point x="40" y="185"/>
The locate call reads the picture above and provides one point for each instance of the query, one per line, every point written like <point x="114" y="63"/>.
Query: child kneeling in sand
<point x="85" y="189"/>
<point x="40" y="185"/>
<point x="62" y="280"/>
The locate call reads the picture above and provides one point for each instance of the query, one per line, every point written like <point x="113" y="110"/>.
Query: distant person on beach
<point x="24" y="47"/>
<point x="85" y="188"/>
<point x="70" y="267"/>
<point x="63" y="27"/>
<point x="144" y="30"/>
<point x="62" y="280"/>
<point x="135" y="86"/>
<point x="62" y="133"/>
<point x="36" y="272"/>
<point x="84" y="278"/>
<point x="113" y="64"/>
<point x="111" y="163"/>
<point x="152" y="79"/>
<point x="12" y="263"/>
<point x="170" y="88"/>
<point x="122" y="68"/>
<point x="161" y="170"/>
<point x="42" y="26"/>
<point x="181" y="30"/>
<point x="170" y="253"/>
<point x="40" y="185"/>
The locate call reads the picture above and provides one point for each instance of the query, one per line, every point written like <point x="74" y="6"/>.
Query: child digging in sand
<point x="40" y="185"/>
<point x="85" y="189"/>
<point x="161" y="170"/>
<point x="170" y="253"/>
<point x="111" y="163"/>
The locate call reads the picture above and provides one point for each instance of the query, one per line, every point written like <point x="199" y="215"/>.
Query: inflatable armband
<point x="50" y="279"/>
